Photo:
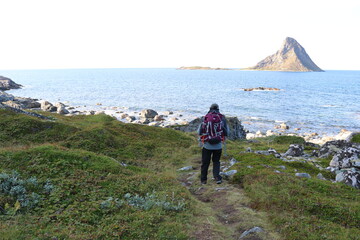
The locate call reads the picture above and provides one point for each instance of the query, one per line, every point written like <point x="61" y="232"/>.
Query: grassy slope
<point x="300" y="208"/>
<point x="82" y="156"/>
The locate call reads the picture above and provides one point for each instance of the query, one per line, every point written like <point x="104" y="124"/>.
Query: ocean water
<point x="323" y="102"/>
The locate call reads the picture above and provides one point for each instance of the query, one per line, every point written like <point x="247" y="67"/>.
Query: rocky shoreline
<point x="345" y="155"/>
<point x="177" y="120"/>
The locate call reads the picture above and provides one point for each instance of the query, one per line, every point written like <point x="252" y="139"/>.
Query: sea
<point x="321" y="102"/>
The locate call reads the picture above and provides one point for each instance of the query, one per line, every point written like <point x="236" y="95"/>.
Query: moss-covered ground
<point x="95" y="163"/>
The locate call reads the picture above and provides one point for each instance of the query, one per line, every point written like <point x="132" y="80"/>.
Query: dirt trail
<point x="223" y="210"/>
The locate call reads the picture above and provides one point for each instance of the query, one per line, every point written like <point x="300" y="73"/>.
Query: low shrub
<point x="21" y="193"/>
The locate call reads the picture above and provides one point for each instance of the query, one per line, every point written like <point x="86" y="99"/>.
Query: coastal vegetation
<point x="93" y="177"/>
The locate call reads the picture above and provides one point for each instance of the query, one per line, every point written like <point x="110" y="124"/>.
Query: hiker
<point x="212" y="131"/>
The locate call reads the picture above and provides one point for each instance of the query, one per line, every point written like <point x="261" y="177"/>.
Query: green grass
<point x="356" y="138"/>
<point x="300" y="208"/>
<point x="82" y="157"/>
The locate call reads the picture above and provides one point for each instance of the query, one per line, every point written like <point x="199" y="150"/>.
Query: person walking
<point x="212" y="131"/>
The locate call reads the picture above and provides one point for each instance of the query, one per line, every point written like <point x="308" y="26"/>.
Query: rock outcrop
<point x="291" y="57"/>
<point x="236" y="129"/>
<point x="7" y="84"/>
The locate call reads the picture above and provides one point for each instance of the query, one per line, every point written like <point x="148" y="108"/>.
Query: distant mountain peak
<point x="291" y="57"/>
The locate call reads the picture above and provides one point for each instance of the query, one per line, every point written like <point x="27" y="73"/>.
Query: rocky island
<point x="260" y="89"/>
<point x="291" y="57"/>
<point x="201" y="68"/>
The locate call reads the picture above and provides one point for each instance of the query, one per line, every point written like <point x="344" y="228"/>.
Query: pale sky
<point x="42" y="34"/>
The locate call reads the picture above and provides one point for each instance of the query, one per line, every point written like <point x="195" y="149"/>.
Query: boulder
<point x="303" y="175"/>
<point x="274" y="152"/>
<point x="236" y="129"/>
<point x="159" y="118"/>
<point x="168" y="112"/>
<point x="4" y="97"/>
<point x="124" y="115"/>
<point x="47" y="106"/>
<point x="346" y="158"/>
<point x="7" y="84"/>
<point x="332" y="147"/>
<point x="130" y="118"/>
<point x="192" y="126"/>
<point x="145" y="120"/>
<point x="295" y="150"/>
<point x="349" y="177"/>
<point x="60" y="108"/>
<point x="148" y="113"/>
<point x="250" y="231"/>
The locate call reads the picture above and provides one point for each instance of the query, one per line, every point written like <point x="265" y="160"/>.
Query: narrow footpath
<point x="223" y="211"/>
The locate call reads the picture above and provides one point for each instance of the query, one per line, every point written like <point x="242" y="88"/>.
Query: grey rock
<point x="124" y="115"/>
<point x="60" y="108"/>
<point x="130" y="118"/>
<point x="295" y="150"/>
<point x="146" y="120"/>
<point x="332" y="147"/>
<point x="27" y="102"/>
<point x="303" y="175"/>
<point x="320" y="176"/>
<point x="229" y="173"/>
<point x="4" y="97"/>
<point x="13" y="104"/>
<point x="148" y="113"/>
<point x="345" y="158"/>
<point x="236" y="130"/>
<point x="7" y="84"/>
<point x="252" y="230"/>
<point x="232" y="162"/>
<point x="48" y="107"/>
<point x="158" y="118"/>
<point x="274" y="152"/>
<point x="349" y="177"/>
<point x="187" y="168"/>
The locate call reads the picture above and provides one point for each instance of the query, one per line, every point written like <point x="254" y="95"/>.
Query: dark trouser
<point x="205" y="162"/>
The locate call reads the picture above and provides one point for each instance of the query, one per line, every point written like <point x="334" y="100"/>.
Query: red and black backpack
<point x="212" y="128"/>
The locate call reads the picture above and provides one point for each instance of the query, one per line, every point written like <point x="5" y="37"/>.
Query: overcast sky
<point x="41" y="34"/>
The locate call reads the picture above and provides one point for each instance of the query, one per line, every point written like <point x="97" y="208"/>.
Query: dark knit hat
<point x="214" y="106"/>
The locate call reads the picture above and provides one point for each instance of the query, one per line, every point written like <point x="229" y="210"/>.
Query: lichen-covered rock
<point x="295" y="150"/>
<point x="346" y="158"/>
<point x="333" y="147"/>
<point x="349" y="177"/>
